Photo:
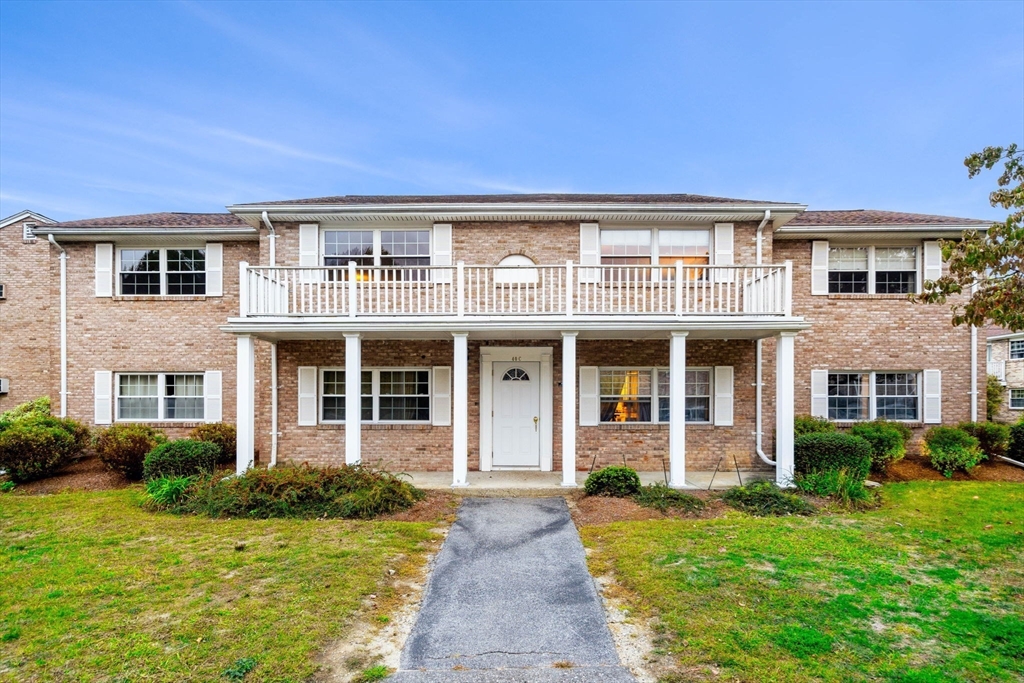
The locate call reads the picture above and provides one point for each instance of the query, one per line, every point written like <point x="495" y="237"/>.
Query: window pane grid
<point x="626" y="395"/>
<point x="847" y="396"/>
<point x="1016" y="349"/>
<point x="186" y="271"/>
<point x="896" y="395"/>
<point x="402" y="396"/>
<point x="139" y="396"/>
<point x="1017" y="398"/>
<point x="140" y="272"/>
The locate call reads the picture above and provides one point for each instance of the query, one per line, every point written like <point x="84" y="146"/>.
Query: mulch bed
<point x="87" y="474"/>
<point x="436" y="507"/>
<point x="917" y="468"/>
<point x="602" y="510"/>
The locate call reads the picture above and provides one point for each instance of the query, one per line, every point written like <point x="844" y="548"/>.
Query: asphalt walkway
<point x="508" y="598"/>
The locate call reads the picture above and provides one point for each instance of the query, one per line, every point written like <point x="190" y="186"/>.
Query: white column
<point x="460" y="410"/>
<point x="569" y="408"/>
<point x="245" y="418"/>
<point x="784" y="409"/>
<point x="677" y="410"/>
<point x="353" y="398"/>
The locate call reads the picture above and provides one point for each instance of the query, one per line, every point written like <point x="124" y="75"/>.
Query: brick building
<point x="463" y="333"/>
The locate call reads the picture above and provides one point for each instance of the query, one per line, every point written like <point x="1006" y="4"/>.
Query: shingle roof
<point x="159" y="220"/>
<point x="869" y="217"/>
<point x="516" y="199"/>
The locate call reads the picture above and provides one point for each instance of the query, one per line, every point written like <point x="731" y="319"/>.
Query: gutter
<point x="758" y="381"/>
<point x="63" y="327"/>
<point x="273" y="354"/>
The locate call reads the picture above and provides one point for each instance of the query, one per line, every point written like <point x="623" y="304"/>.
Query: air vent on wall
<point x="3" y="292"/>
<point x="5" y="385"/>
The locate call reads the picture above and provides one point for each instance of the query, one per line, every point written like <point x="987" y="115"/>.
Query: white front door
<point x="516" y="431"/>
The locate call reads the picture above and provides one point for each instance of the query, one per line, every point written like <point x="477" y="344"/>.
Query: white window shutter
<point x="214" y="269"/>
<point x="442" y="252"/>
<point x="723" y="395"/>
<point x="212" y="396"/>
<point x="307" y="396"/>
<point x="932" y="260"/>
<point x="309" y="245"/>
<point x="819" y="393"/>
<point x="101" y="394"/>
<point x="932" y="396"/>
<point x="104" y="269"/>
<point x="819" y="267"/>
<point x="590" y="396"/>
<point x="441" y="397"/>
<point x="724" y="244"/>
<point x="590" y="252"/>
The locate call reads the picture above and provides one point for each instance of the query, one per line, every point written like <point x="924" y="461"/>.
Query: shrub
<point x="805" y="424"/>
<point x="40" y="406"/>
<point x="36" y="446"/>
<point x="900" y="427"/>
<point x="165" y="492"/>
<point x="887" y="443"/>
<point x="617" y="481"/>
<point x="222" y="434"/>
<point x="951" y="449"/>
<point x="661" y="497"/>
<point x="836" y="451"/>
<point x="993" y="437"/>
<point x="847" y="491"/>
<point x="123" y="447"/>
<point x="349" y="492"/>
<point x="181" y="458"/>
<point x="994" y="394"/>
<point x="1016" y="449"/>
<point x="765" y="499"/>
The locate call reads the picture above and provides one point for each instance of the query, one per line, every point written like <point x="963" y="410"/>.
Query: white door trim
<point x="488" y="356"/>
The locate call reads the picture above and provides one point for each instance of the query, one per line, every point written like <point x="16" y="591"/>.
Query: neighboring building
<point x="1005" y="356"/>
<point x="531" y="332"/>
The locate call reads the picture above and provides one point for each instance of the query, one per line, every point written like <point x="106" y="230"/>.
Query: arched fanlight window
<point x="515" y="375"/>
<point x="516" y="268"/>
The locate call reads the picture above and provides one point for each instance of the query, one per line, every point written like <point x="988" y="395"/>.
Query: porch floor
<point x="512" y="483"/>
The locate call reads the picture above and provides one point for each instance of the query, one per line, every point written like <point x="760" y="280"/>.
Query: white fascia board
<point x="828" y="231"/>
<point x="106" y="234"/>
<point x="1006" y="337"/>
<point x="26" y="215"/>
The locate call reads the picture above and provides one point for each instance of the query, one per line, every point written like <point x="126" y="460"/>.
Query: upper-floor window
<point x="1016" y="349"/>
<point x="631" y="394"/>
<point x="400" y="249"/>
<point x="877" y="270"/>
<point x="655" y="247"/>
<point x="160" y="396"/>
<point x="171" y="272"/>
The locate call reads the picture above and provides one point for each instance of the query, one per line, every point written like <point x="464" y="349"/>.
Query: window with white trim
<point x="878" y="270"/>
<point x="628" y="395"/>
<point x="856" y="396"/>
<point x="387" y="395"/>
<point x="1017" y="349"/>
<point x="400" y="249"/>
<point x="661" y="246"/>
<point x="162" y="272"/>
<point x="1017" y="399"/>
<point x="153" y="397"/>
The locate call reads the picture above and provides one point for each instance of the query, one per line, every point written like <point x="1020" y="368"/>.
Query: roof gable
<point x="23" y="216"/>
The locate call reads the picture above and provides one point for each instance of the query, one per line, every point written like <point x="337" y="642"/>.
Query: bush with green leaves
<point x="220" y="433"/>
<point x="123" y="447"/>
<point x="181" y="458"/>
<point x="887" y="443"/>
<point x="846" y="490"/>
<point x="1016" y="449"/>
<point x="616" y="481"/>
<point x="993" y="437"/>
<point x="166" y="492"/>
<point x="906" y="432"/>
<point x="39" y="406"/>
<point x="994" y="394"/>
<point x="35" y="446"/>
<point x="950" y="449"/>
<point x="663" y="498"/>
<point x="349" y="492"/>
<point x="836" y="451"/>
<point x="765" y="499"/>
<point x="806" y="424"/>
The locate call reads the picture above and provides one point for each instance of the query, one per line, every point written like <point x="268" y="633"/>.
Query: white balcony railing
<point x="998" y="368"/>
<point x="464" y="290"/>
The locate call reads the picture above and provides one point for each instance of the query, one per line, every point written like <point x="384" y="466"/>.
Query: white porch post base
<point x="784" y="408"/>
<point x="569" y="409"/>
<point x="460" y="410"/>
<point x="245" y="419"/>
<point x="353" y="399"/>
<point x="677" y="411"/>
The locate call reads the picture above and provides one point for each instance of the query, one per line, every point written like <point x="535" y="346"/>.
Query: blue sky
<point x="116" y="108"/>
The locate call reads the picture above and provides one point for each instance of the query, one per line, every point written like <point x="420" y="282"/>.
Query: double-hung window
<point x="629" y="394"/>
<point x="870" y="395"/>
<point x="403" y="253"/>
<point x="387" y="395"/>
<point x="160" y="396"/>
<point x="877" y="270"/>
<point x="1017" y="349"/>
<point x="657" y="246"/>
<point x="1017" y="399"/>
<point x="156" y="272"/>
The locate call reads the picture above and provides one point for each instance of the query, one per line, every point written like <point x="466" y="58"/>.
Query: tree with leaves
<point x="989" y="267"/>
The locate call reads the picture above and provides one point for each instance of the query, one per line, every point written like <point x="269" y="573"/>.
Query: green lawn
<point x="93" y="588"/>
<point x="928" y="588"/>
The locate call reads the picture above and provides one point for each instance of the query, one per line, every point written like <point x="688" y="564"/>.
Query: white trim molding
<point x="488" y="356"/>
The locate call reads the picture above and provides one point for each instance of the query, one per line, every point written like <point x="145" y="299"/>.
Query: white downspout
<point x="974" y="370"/>
<point x="758" y="383"/>
<point x="273" y="239"/>
<point x="63" y="327"/>
<point x="273" y="353"/>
